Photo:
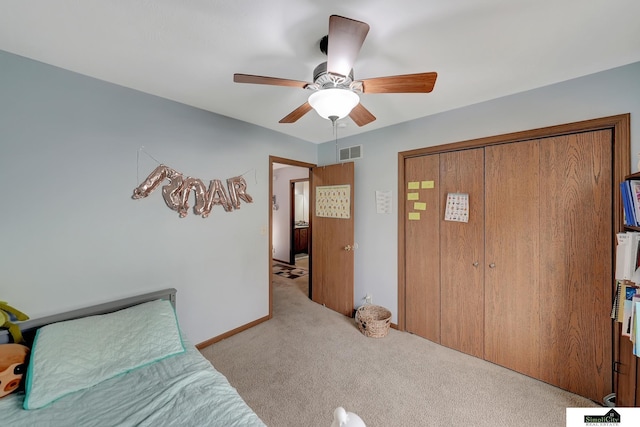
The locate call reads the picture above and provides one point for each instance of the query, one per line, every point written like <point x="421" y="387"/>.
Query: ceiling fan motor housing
<point x="323" y="79"/>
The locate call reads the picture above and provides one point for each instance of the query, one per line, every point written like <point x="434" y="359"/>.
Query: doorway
<point x="289" y="225"/>
<point x="331" y="228"/>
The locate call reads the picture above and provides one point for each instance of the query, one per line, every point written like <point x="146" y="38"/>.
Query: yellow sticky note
<point x="414" y="216"/>
<point x="427" y="184"/>
<point x="414" y="185"/>
<point x="413" y="196"/>
<point x="420" y="206"/>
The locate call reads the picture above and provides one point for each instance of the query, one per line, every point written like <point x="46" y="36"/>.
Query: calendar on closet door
<point x="457" y="208"/>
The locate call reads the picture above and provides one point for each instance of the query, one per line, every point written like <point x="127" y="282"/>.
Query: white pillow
<point x="73" y="355"/>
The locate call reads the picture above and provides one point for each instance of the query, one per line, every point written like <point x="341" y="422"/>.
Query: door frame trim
<point x="619" y="124"/>
<point x="288" y="162"/>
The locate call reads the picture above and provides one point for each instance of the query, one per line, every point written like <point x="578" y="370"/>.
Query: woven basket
<point x="373" y="320"/>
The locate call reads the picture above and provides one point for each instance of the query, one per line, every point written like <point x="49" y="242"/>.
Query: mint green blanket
<point x="183" y="390"/>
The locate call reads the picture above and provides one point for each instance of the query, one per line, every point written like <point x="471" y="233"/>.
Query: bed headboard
<point x="29" y="327"/>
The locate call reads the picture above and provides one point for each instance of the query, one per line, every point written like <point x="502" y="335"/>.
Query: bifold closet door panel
<point x="422" y="247"/>
<point x="576" y="232"/>
<point x="462" y="254"/>
<point x="512" y="254"/>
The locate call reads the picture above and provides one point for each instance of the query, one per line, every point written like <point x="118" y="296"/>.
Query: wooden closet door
<point x="462" y="254"/>
<point x="422" y="247"/>
<point x="576" y="233"/>
<point x="512" y="254"/>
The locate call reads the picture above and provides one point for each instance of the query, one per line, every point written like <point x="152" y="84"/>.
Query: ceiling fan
<point x="335" y="92"/>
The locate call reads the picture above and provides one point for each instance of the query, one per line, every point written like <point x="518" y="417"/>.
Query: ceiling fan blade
<point x="293" y="116"/>
<point x="345" y="40"/>
<point x="361" y="116"/>
<point x="262" y="80"/>
<point x="407" y="83"/>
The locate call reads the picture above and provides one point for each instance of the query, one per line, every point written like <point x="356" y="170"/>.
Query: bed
<point x="123" y="363"/>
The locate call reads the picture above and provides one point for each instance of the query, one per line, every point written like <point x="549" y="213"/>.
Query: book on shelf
<point x="627" y="310"/>
<point x="635" y="324"/>
<point x="627" y="255"/>
<point x="635" y="194"/>
<point x="627" y="203"/>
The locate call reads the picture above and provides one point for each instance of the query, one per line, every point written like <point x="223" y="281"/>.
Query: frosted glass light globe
<point x="333" y="102"/>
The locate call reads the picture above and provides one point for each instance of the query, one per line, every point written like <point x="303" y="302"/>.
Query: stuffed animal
<point x="342" y="418"/>
<point x="13" y="359"/>
<point x="7" y="315"/>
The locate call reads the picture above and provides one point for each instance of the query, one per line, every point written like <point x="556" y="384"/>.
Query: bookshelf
<point x="626" y="366"/>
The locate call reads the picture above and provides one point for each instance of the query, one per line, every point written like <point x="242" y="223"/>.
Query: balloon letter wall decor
<point x="237" y="186"/>
<point x="176" y="194"/>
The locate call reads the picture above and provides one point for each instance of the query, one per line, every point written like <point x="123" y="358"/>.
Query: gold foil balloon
<point x="154" y="179"/>
<point x="217" y="196"/>
<point x="172" y="195"/>
<point x="237" y="190"/>
<point x="176" y="194"/>
<point x="200" y="192"/>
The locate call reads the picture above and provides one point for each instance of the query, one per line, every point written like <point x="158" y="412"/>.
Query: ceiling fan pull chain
<point x="334" y="119"/>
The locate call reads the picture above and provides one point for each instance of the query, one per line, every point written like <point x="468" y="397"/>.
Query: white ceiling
<point x="188" y="51"/>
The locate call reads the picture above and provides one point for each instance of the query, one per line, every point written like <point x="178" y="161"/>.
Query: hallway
<point x="301" y="282"/>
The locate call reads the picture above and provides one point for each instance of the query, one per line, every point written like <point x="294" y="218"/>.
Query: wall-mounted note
<point x="420" y="206"/>
<point x="383" y="201"/>
<point x="413" y="196"/>
<point x="414" y="185"/>
<point x="414" y="216"/>
<point x="457" y="208"/>
<point x="427" y="184"/>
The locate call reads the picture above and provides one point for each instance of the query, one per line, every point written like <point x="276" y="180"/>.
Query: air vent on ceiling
<point x="351" y="153"/>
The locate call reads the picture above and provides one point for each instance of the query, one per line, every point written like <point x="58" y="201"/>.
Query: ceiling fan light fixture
<point x="333" y="102"/>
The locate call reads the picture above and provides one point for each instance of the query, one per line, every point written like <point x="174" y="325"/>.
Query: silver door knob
<point x="492" y="265"/>
<point x="475" y="264"/>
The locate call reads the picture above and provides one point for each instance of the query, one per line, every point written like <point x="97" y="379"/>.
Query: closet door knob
<point x="347" y="248"/>
<point x="492" y="265"/>
<point x="475" y="264"/>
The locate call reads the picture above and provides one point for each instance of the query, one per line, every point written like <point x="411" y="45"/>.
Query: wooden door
<point x="576" y="232"/>
<point x="462" y="254"/>
<point x="422" y="246"/>
<point x="512" y="255"/>
<point x="332" y="238"/>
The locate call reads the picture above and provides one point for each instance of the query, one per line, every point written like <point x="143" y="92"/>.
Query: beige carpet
<point x="295" y="369"/>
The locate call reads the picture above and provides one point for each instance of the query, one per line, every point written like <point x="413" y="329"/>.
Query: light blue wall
<point x="72" y="235"/>
<point x="613" y="92"/>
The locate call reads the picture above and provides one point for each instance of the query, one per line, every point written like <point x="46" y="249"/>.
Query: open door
<point x="332" y="241"/>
